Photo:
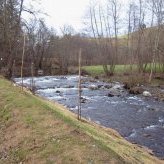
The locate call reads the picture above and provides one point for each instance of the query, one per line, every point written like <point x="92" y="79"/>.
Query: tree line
<point x="104" y="43"/>
<point x="143" y="43"/>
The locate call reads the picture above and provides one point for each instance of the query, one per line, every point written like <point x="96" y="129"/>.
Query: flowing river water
<point x="138" y="119"/>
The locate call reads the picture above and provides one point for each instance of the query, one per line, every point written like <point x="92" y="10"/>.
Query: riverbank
<point x="132" y="79"/>
<point x="34" y="130"/>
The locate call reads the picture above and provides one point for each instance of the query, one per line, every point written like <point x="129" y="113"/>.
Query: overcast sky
<point x="66" y="11"/>
<point x="62" y="12"/>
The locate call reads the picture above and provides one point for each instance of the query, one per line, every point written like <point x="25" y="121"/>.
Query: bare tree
<point x="107" y="44"/>
<point x="158" y="12"/>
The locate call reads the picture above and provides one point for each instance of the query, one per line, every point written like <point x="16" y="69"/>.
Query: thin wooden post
<point x="79" y="88"/>
<point x="13" y="72"/>
<point x="24" y="44"/>
<point x="32" y="76"/>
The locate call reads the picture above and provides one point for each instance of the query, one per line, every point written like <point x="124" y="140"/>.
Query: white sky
<point x="63" y="12"/>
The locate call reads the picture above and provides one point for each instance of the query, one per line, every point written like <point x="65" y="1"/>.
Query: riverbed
<point x="138" y="119"/>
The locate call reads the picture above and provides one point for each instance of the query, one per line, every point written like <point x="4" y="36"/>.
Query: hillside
<point x="34" y="130"/>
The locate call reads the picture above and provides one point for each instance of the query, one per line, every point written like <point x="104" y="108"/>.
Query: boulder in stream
<point x="147" y="94"/>
<point x="83" y="100"/>
<point x="114" y="92"/>
<point x="117" y="87"/>
<point x="110" y="95"/>
<point x="57" y="91"/>
<point x="93" y="87"/>
<point x="69" y="86"/>
<point x="108" y="86"/>
<point x="100" y="86"/>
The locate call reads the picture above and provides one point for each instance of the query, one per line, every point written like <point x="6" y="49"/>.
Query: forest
<point x="108" y="39"/>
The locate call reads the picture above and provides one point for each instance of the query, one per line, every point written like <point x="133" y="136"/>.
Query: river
<point x="138" y="119"/>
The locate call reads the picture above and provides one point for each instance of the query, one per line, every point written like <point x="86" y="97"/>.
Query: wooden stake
<point x="13" y="72"/>
<point x="24" y="44"/>
<point x="79" y="88"/>
<point x="32" y="76"/>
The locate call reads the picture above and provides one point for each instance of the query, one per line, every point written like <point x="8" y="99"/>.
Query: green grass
<point x="30" y="120"/>
<point x="98" y="70"/>
<point x="94" y="70"/>
<point x="38" y="130"/>
<point x="4" y="115"/>
<point x="119" y="69"/>
<point x="158" y="68"/>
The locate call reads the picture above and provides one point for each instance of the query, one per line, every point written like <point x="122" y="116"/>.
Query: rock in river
<point x="146" y="94"/>
<point x="108" y="86"/>
<point x="118" y="87"/>
<point x="83" y="100"/>
<point x="93" y="87"/>
<point x="114" y="92"/>
<point x="57" y="91"/>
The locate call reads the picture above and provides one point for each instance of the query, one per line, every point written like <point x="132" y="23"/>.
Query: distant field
<point x="98" y="70"/>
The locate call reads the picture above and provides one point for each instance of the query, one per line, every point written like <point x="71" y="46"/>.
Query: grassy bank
<point x="34" y="130"/>
<point x="98" y="70"/>
<point x="124" y="73"/>
<point x="119" y="69"/>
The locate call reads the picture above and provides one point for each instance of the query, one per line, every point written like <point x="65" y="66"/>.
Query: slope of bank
<point x="34" y="130"/>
